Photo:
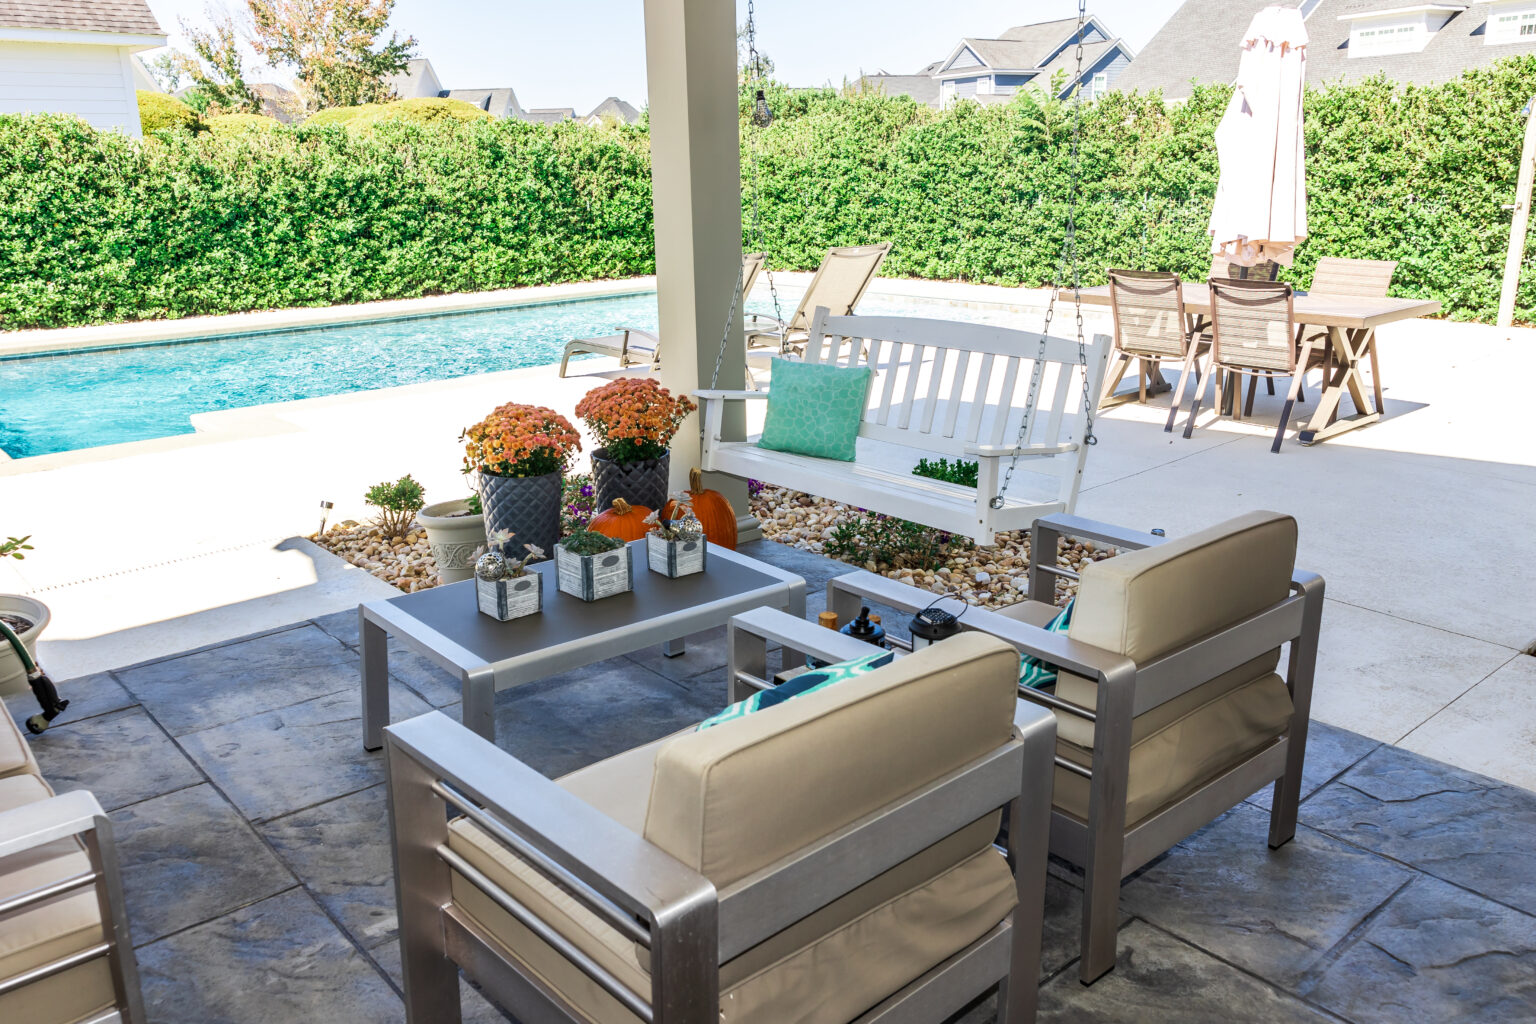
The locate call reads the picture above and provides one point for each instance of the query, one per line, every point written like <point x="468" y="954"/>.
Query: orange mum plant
<point x="519" y="440"/>
<point x="634" y="418"/>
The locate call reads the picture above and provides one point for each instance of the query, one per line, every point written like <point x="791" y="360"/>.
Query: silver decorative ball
<point x="492" y="566"/>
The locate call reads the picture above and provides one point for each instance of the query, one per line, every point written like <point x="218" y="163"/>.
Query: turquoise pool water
<point x="82" y="400"/>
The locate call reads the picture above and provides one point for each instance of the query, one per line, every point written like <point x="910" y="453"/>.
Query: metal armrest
<point x="586" y="846"/>
<point x="37" y="824"/>
<point x="1028" y="451"/>
<point x="1092" y="529"/>
<point x="781" y="324"/>
<point x="774" y="626"/>
<point x="708" y="395"/>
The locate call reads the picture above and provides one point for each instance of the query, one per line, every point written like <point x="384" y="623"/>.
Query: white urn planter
<point x="454" y="535"/>
<point x="13" y="677"/>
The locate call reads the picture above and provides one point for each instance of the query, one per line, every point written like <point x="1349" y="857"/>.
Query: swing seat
<point x="940" y="389"/>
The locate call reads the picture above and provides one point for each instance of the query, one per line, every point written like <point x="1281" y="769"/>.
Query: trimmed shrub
<point x="96" y="227"/>
<point x="157" y="111"/>
<point x="234" y="124"/>
<point x="422" y="110"/>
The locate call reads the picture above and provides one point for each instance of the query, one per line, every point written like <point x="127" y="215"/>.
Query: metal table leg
<point x="478" y="710"/>
<point x="375" y="680"/>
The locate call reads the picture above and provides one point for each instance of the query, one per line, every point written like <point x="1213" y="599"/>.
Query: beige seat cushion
<point x="52" y="930"/>
<point x="1144" y="604"/>
<point x="15" y="752"/>
<point x="1036" y="613"/>
<point x="829" y="967"/>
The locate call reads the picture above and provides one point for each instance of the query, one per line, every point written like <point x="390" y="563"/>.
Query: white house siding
<point x="95" y="82"/>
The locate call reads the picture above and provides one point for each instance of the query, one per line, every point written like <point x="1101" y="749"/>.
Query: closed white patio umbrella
<point x="1261" y="199"/>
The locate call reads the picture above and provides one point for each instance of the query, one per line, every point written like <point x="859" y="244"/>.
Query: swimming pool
<point x="58" y="403"/>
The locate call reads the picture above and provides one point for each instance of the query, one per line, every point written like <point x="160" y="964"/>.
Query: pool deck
<point x="1420" y="523"/>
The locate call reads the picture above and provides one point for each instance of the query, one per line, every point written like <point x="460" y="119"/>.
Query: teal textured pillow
<point x="815" y="409"/>
<point x="1038" y="674"/>
<point x="805" y="682"/>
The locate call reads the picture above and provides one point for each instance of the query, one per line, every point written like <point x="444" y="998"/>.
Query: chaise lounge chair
<point x="632" y="346"/>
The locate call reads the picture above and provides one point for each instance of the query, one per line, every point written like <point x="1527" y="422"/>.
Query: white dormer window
<point x="1406" y="29"/>
<point x="1511" y="23"/>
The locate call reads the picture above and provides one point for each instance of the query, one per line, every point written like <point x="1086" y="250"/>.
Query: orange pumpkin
<point x="712" y="509"/>
<point x="622" y="522"/>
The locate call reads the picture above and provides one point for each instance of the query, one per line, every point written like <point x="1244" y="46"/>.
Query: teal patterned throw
<point x="815" y="409"/>
<point x="799" y="686"/>
<point x="1037" y="674"/>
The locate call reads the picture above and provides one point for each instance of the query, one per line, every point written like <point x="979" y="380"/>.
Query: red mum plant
<point x="519" y="440"/>
<point x="634" y="418"/>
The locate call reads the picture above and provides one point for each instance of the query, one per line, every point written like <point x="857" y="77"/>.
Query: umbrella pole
<point x="1522" y="217"/>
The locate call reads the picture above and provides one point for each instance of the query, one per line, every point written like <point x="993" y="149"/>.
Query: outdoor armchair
<point x="1169" y="706"/>
<point x="1151" y="325"/>
<point x="828" y="859"/>
<point x="65" y="955"/>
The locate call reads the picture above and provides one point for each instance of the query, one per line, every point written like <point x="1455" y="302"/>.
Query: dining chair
<point x="1351" y="278"/>
<point x="1151" y="325"/>
<point x="1253" y="334"/>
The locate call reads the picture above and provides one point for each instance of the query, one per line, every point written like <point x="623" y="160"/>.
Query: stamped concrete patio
<point x="253" y="834"/>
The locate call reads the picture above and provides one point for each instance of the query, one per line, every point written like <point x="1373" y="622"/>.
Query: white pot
<point x="453" y="538"/>
<point x="13" y="676"/>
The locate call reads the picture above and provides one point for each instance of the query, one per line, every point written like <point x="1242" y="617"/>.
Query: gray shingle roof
<point x="496" y="102"/>
<point x="549" y="115"/>
<point x="1008" y="54"/>
<point x="1043" y="37"/>
<point x="1201" y="41"/>
<point x="1066" y="61"/>
<point x="128" y="17"/>
<point x="616" y="108"/>
<point x="921" y="88"/>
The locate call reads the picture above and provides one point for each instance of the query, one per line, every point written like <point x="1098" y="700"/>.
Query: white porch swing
<point x="940" y="388"/>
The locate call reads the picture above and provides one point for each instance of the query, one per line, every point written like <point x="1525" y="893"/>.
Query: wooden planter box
<point x="505" y="600"/>
<point x="674" y="558"/>
<point x="593" y="577"/>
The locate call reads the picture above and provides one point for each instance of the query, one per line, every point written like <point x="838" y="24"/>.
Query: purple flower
<point x="587" y="491"/>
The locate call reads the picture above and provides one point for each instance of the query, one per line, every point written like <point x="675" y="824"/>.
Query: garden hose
<point x="42" y="687"/>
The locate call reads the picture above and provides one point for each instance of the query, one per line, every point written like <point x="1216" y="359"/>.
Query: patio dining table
<point x="1351" y="323"/>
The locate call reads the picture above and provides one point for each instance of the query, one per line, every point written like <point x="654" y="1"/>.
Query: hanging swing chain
<point x="755" y="63"/>
<point x="1068" y="257"/>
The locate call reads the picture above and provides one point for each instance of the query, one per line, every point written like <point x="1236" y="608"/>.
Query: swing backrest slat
<point x="933" y="386"/>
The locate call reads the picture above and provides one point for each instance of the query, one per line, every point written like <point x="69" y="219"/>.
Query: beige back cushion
<point x="735" y="798"/>
<point x="1143" y="604"/>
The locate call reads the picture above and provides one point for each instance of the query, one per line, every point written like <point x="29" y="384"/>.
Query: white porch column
<point x="690" y="52"/>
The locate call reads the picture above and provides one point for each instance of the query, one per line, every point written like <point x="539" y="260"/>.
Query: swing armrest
<point x="708" y="395"/>
<point x="1027" y="451"/>
<point x="766" y="316"/>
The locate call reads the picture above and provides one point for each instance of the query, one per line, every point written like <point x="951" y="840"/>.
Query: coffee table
<point x="443" y="625"/>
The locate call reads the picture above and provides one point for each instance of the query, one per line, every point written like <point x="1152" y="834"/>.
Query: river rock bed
<point x="992" y="577"/>
<point x="404" y="562"/>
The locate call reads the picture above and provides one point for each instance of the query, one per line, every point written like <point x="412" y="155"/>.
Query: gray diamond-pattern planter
<point x="526" y="506"/>
<point x="639" y="483"/>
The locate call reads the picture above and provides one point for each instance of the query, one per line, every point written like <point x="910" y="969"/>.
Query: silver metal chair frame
<point x="1103" y="846"/>
<point x="689" y="927"/>
<point x="76" y="815"/>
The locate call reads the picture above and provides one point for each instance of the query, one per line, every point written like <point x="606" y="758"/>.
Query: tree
<point x="218" y="69"/>
<point x="166" y="70"/>
<point x="333" y="46"/>
<point x="748" y="72"/>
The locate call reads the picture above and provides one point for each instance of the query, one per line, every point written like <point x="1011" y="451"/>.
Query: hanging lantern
<point x="762" y="116"/>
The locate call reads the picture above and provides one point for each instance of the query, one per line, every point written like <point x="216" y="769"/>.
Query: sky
<point x="577" y="52"/>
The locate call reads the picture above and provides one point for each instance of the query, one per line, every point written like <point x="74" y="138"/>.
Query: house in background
<point x="1349" y="40"/>
<point x="75" y="57"/>
<point x="610" y="110"/>
<point x="1043" y="55"/>
<point x="419" y="80"/>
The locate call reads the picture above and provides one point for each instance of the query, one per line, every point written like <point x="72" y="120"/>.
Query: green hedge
<point x="157" y="112"/>
<point x="95" y="227"/>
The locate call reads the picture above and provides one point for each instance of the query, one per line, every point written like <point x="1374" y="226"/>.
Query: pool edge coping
<point x="41" y="341"/>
